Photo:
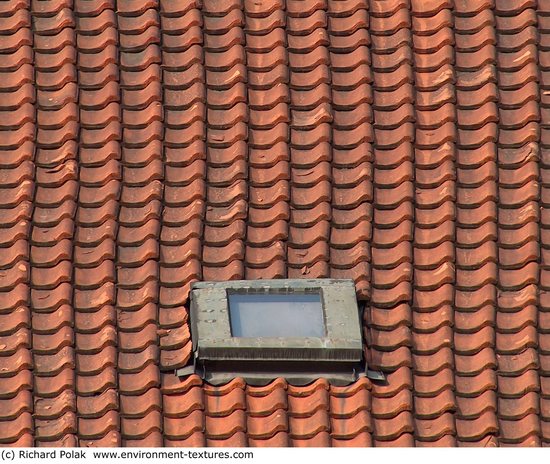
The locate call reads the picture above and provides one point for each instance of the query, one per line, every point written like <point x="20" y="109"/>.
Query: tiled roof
<point x="148" y="144"/>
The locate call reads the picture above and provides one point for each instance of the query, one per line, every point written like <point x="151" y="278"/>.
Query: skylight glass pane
<point x="276" y="315"/>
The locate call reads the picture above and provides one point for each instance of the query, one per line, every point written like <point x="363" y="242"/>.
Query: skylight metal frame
<point x="219" y="357"/>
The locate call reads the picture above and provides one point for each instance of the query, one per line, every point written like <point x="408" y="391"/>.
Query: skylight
<point x="259" y="330"/>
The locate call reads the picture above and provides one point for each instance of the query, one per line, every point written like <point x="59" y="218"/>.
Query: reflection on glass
<point x="276" y="315"/>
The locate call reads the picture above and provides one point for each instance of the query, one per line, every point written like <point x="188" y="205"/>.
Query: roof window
<point x="260" y="330"/>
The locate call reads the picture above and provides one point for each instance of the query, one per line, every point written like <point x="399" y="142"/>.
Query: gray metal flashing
<point x="375" y="375"/>
<point x="290" y="284"/>
<point x="219" y="356"/>
<point x="261" y="373"/>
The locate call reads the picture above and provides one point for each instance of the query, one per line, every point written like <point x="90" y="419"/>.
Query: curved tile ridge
<point x="185" y="189"/>
<point x="226" y="419"/>
<point x="539" y="152"/>
<point x="140" y="347"/>
<point x="269" y="172"/>
<point x="518" y="262"/>
<point x="96" y="229"/>
<point x="352" y="191"/>
<point x="17" y="146"/>
<point x="476" y="220"/>
<point x="311" y="113"/>
<point x="435" y="197"/>
<point x="389" y="339"/>
<point x="183" y="406"/>
<point x="308" y="417"/>
<point x="226" y="133"/>
<point x="184" y="146"/>
<point x="56" y="199"/>
<point x="267" y="409"/>
<point x="351" y="422"/>
<point x="392" y="177"/>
